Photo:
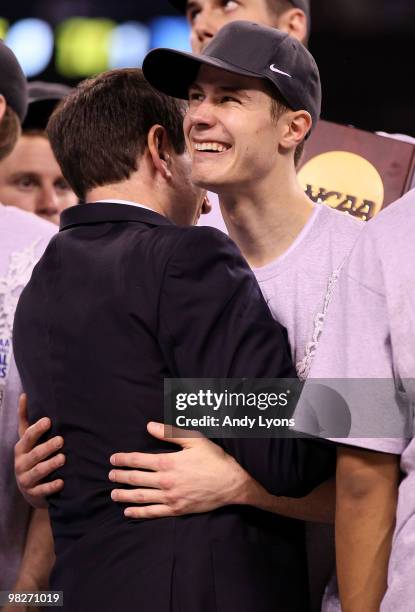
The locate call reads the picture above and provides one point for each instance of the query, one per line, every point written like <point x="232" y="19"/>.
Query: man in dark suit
<point x="127" y="294"/>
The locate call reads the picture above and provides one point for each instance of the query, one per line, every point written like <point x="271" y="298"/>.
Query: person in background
<point x="24" y="560"/>
<point x="30" y="177"/>
<point x="206" y="17"/>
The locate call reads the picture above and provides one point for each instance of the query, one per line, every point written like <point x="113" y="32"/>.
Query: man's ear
<point x="294" y="21"/>
<point x="295" y="128"/>
<point x="159" y="147"/>
<point x="3" y="106"/>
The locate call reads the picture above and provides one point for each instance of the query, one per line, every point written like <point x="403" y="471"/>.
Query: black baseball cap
<point x="13" y="84"/>
<point x="43" y="98"/>
<point x="304" y="5"/>
<point x="248" y="49"/>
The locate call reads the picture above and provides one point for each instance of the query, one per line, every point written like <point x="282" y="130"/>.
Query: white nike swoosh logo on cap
<point x="274" y="69"/>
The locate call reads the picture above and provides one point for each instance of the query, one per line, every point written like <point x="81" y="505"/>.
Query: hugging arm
<point x="213" y="322"/>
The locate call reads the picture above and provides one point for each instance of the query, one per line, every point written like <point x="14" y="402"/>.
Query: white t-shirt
<point x="298" y="285"/>
<point x="23" y="238"/>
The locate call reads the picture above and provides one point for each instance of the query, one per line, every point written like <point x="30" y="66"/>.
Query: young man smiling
<point x="254" y="95"/>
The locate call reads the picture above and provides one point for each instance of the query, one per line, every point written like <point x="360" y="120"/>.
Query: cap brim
<point x="46" y="100"/>
<point x="172" y="72"/>
<point x="43" y="91"/>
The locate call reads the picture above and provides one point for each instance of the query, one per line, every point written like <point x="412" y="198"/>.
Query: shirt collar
<point x="128" y="202"/>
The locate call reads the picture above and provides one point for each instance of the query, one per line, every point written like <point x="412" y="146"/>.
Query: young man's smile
<point x="210" y="147"/>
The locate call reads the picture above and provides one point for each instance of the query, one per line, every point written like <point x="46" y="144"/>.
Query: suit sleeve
<point x="214" y="323"/>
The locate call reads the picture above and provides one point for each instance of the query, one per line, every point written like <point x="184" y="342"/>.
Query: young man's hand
<point x="33" y="462"/>
<point x="199" y="478"/>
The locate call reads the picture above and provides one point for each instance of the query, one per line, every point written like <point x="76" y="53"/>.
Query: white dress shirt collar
<point x="128" y="202"/>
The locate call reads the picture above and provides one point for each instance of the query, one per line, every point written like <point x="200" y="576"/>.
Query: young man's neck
<point x="266" y="220"/>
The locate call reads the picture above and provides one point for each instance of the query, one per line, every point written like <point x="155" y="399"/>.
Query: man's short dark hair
<point x="9" y="132"/>
<point x="99" y="131"/>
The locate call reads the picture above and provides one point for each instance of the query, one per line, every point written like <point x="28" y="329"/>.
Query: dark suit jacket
<point x="121" y="299"/>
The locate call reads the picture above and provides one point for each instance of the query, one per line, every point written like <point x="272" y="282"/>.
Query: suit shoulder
<point x="188" y="247"/>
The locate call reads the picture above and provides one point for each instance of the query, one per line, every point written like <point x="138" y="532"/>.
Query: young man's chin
<point x="209" y="184"/>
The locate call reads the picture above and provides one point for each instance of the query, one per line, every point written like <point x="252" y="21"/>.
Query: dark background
<point x="364" y="49"/>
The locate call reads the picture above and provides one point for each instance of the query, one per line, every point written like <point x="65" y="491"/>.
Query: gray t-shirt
<point x="23" y="238"/>
<point x="298" y="285"/>
<point x="370" y="334"/>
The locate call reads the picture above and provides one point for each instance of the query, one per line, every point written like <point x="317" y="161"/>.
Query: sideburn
<point x="10" y="131"/>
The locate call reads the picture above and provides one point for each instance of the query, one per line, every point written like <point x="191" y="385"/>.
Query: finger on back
<point x="32" y="434"/>
<point x="144" y="461"/>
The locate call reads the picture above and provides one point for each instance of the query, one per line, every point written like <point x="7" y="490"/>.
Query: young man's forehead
<point x="223" y="79"/>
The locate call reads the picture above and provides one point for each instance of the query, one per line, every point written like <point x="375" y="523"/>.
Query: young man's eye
<point x="229" y="99"/>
